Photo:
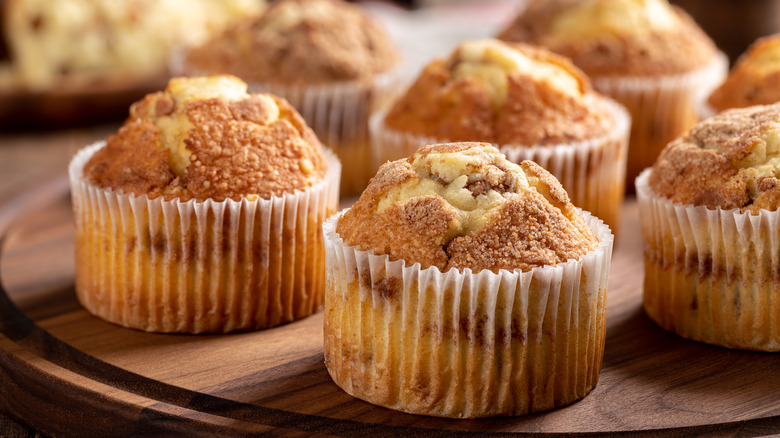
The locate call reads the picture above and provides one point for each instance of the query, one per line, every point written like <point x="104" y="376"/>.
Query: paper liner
<point x="338" y="113"/>
<point x="661" y="107"/>
<point x="711" y="275"/>
<point x="592" y="171"/>
<point x="465" y="344"/>
<point x="172" y="266"/>
<point x="706" y="110"/>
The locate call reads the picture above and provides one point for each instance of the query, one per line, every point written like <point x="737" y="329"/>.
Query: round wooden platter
<point x="67" y="373"/>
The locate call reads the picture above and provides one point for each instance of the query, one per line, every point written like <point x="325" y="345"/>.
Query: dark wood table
<point x="64" y="372"/>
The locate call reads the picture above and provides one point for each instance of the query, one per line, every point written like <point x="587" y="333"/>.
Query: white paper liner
<point x="661" y="107"/>
<point x="706" y="110"/>
<point x="472" y="344"/>
<point x="711" y="275"/>
<point x="338" y="113"/>
<point x="172" y="266"/>
<point x="592" y="172"/>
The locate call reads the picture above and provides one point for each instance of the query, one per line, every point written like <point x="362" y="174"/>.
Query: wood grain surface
<point x="67" y="373"/>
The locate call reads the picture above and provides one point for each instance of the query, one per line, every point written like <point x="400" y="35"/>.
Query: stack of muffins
<point x="467" y="280"/>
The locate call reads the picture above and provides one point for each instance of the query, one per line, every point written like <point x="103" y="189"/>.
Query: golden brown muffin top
<point x="205" y="137"/>
<point x="300" y="42"/>
<point x="616" y="37"/>
<point x="502" y="93"/>
<point x="464" y="205"/>
<point x="754" y="79"/>
<point x="731" y="160"/>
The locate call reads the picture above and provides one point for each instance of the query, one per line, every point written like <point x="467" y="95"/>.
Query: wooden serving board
<point x="67" y="373"/>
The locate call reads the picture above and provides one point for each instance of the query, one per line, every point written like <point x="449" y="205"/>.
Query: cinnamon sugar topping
<point x="207" y="138"/>
<point x="463" y="205"/>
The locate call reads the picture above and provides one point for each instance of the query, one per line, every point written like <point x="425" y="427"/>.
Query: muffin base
<point x="171" y="266"/>
<point x="711" y="275"/>
<point x="464" y="345"/>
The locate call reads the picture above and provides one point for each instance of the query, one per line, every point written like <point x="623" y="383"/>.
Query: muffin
<point x="53" y="44"/>
<point x="527" y="101"/>
<point x="708" y="208"/>
<point x="203" y="212"/>
<point x="754" y="79"/>
<point x="327" y="57"/>
<point x="463" y="285"/>
<point x="646" y="54"/>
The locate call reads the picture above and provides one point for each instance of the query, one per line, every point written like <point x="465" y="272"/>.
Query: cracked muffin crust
<point x="450" y="274"/>
<point x="203" y="213"/>
<point x="754" y="79"/>
<point x="615" y="37"/>
<point x="709" y="216"/>
<point x="300" y="41"/>
<point x="463" y="205"/>
<point x="731" y="160"/>
<point x="206" y="137"/>
<point x="503" y="93"/>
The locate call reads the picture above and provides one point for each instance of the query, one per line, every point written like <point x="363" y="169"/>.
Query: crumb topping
<point x="300" y="42"/>
<point x="207" y="138"/>
<point x="503" y="93"/>
<point x="464" y="205"/>
<point x="615" y="37"/>
<point x="729" y="161"/>
<point x="754" y="79"/>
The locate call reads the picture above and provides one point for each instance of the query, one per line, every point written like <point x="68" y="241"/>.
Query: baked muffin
<point x="463" y="285"/>
<point x="530" y="103"/>
<point x="646" y="54"/>
<point x="57" y="44"/>
<point x="203" y="212"/>
<point x="709" y="216"/>
<point x="327" y="57"/>
<point x="754" y="79"/>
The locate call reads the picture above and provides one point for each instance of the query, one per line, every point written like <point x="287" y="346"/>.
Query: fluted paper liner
<point x="467" y="344"/>
<point x="711" y="275"/>
<point x="172" y="266"/>
<point x="338" y="113"/>
<point x="593" y="171"/>
<point x="661" y="107"/>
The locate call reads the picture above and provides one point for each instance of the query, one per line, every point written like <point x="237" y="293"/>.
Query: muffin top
<point x="464" y="205"/>
<point x="205" y="137"/>
<point x="731" y="160"/>
<point x="754" y="79"/>
<point x="300" y="42"/>
<point x="502" y="93"/>
<point x="616" y="37"/>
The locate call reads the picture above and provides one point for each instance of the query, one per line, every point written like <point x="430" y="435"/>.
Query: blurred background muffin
<point x="529" y="102"/>
<point x="754" y="79"/>
<point x="451" y="284"/>
<point x="72" y="59"/>
<point x="646" y="54"/>
<point x="329" y="58"/>
<point x="734" y="25"/>
<point x="709" y="215"/>
<point x="203" y="212"/>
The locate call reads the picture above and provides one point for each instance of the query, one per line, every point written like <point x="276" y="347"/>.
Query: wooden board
<point x="67" y="373"/>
